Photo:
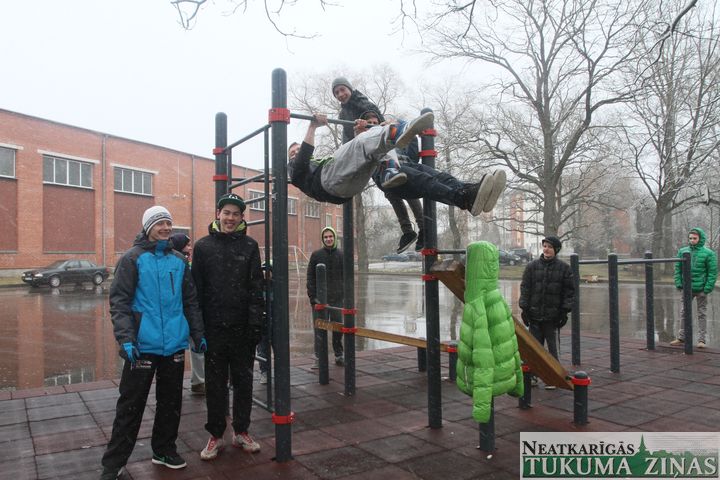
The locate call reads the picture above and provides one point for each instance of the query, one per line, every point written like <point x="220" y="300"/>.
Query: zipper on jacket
<point x="172" y="284"/>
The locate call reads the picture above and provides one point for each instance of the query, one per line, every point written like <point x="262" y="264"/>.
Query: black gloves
<point x="561" y="320"/>
<point x="525" y="318"/>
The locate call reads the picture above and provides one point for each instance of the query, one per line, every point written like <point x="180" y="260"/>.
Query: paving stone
<point x="65" y="441"/>
<point x="447" y="464"/>
<point x="62" y="424"/>
<point x="8" y="417"/>
<point x="339" y="462"/>
<point x="624" y="415"/>
<point x="14" y="449"/>
<point x="56" y="411"/>
<point x="53" y="400"/>
<point x="18" y="469"/>
<point x="399" y="448"/>
<point x="54" y="465"/>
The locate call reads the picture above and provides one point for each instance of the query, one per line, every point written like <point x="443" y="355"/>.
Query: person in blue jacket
<point x="154" y="309"/>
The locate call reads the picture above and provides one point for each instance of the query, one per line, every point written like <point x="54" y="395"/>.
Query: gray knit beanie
<point x="341" y="81"/>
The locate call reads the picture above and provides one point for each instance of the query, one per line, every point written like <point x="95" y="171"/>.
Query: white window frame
<point x="292" y="205"/>
<point x="259" y="206"/>
<point x="70" y="165"/>
<point x="133" y="175"/>
<point x="12" y="150"/>
<point x="312" y="209"/>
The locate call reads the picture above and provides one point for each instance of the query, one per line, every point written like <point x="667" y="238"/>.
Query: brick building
<point x="67" y="191"/>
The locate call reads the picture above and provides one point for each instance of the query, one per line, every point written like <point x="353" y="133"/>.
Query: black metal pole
<point x="487" y="431"/>
<point x="222" y="177"/>
<point x="614" y="311"/>
<point x="649" y="303"/>
<point x="580" y="381"/>
<point x="575" y="314"/>
<point x="432" y="295"/>
<point x="268" y="275"/>
<point x="452" y="359"/>
<point x="525" y="402"/>
<point x="349" y="296"/>
<point x="281" y="326"/>
<point x="687" y="303"/>
<point x="321" y="335"/>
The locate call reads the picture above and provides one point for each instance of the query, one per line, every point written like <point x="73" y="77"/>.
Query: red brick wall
<point x="181" y="182"/>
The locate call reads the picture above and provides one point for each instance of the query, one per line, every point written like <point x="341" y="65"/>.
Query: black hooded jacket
<point x="229" y="280"/>
<point x="333" y="260"/>
<point x="356" y="105"/>
<point x="547" y="290"/>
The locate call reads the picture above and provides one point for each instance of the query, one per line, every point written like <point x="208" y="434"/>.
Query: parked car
<point x="396" y="257"/>
<point x="507" y="258"/>
<point x="66" y="271"/>
<point x="524" y="255"/>
<point x="414" y="256"/>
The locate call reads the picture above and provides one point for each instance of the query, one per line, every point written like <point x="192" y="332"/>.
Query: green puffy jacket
<point x="703" y="263"/>
<point x="488" y="360"/>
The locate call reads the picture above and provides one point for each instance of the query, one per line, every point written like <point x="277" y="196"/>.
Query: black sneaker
<point x="392" y="177"/>
<point x="419" y="244"/>
<point x="110" y="473"/>
<point x="406" y="240"/>
<point x="171" y="461"/>
<point x="339" y="361"/>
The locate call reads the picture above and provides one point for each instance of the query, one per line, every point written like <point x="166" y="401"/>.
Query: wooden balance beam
<point x="541" y="363"/>
<point x="380" y="335"/>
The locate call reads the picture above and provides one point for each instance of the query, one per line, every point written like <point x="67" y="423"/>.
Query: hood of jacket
<point x="214" y="228"/>
<point x="702" y="235"/>
<point x="332" y="230"/>
<point x="142" y="241"/>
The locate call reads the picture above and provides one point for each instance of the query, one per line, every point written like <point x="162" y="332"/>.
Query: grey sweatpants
<point x="355" y="161"/>
<point x="701" y="299"/>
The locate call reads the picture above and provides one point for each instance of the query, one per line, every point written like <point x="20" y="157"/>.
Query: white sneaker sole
<point x="481" y="198"/>
<point x="395" y="181"/>
<point x="414" y="128"/>
<point x="174" y="467"/>
<point x="498" y="186"/>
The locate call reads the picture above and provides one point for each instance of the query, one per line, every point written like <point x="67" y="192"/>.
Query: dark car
<point x="66" y="271"/>
<point x="396" y="257"/>
<point x="524" y="255"/>
<point x="507" y="258"/>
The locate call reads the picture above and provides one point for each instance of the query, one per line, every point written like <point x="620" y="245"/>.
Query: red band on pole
<point x="279" y="115"/>
<point x="352" y="330"/>
<point x="283" y="419"/>
<point x="217" y="178"/>
<point x="525" y="368"/>
<point x="452" y="349"/>
<point x="428" y="251"/>
<point x="349" y="311"/>
<point x="428" y="153"/>
<point x="218" y="150"/>
<point x="430" y="132"/>
<point x="580" y="381"/>
<point x="427" y="277"/>
<point x="318" y="307"/>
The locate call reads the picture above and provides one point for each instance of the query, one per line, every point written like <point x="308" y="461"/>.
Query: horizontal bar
<point x="248" y="137"/>
<point x="378" y="335"/>
<point x="452" y="252"/>
<point x="301" y="116"/>
<point x="649" y="260"/>
<point x="244" y="181"/>
<point x="255" y="222"/>
<point x="250" y="201"/>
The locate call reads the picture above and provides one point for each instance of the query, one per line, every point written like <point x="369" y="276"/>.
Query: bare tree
<point x="555" y="63"/>
<point x="673" y="132"/>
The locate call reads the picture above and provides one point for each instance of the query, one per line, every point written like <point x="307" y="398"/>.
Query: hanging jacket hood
<point x="322" y="233"/>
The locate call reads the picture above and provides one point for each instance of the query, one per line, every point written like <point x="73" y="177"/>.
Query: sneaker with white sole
<point x="245" y="441"/>
<point x="475" y="195"/>
<point x="499" y="180"/>
<point x="392" y="177"/>
<point x="701" y="344"/>
<point x="677" y="341"/>
<point x="213" y="447"/>
<point x="406" y="240"/>
<point x="171" y="461"/>
<point x="406" y="132"/>
<point x="550" y="387"/>
<point x="109" y="473"/>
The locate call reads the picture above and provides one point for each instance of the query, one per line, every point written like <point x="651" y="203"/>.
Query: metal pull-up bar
<point x="301" y="116"/>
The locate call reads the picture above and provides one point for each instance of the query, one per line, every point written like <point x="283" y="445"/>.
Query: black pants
<point x="229" y="355"/>
<point x="337" y="337"/>
<point x="134" y="389"/>
<point x="401" y="212"/>
<point x="543" y="331"/>
<point x="428" y="183"/>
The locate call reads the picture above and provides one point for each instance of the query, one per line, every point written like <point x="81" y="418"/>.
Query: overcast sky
<point x="127" y="68"/>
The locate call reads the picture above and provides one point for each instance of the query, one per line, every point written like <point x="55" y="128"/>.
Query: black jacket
<point x="229" y="280"/>
<point x="547" y="290"/>
<point x="353" y="109"/>
<point x="306" y="174"/>
<point x="333" y="260"/>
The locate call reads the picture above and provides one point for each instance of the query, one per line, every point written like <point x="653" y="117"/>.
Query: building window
<point x="257" y="205"/>
<point x="7" y="162"/>
<point x="328" y="220"/>
<point x="62" y="171"/>
<point x="312" y="209"/>
<point x="292" y="206"/>
<point x="338" y="224"/>
<point x="133" y="181"/>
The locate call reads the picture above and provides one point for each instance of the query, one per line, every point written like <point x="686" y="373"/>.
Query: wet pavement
<point x="51" y="337"/>
<point x="380" y="432"/>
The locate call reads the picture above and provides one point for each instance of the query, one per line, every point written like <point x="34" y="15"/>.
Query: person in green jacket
<point x="488" y="363"/>
<point x="703" y="263"/>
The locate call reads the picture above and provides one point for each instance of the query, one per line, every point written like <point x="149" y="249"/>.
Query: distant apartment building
<point x="67" y="191"/>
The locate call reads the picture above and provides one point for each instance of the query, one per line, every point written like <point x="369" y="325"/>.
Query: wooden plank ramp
<point x="541" y="363"/>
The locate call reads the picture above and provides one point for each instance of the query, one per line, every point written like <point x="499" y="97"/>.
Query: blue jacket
<point x="153" y="300"/>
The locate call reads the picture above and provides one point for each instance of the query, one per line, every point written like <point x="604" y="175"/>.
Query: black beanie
<point x="179" y="241"/>
<point x="341" y="81"/>
<point x="555" y="242"/>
